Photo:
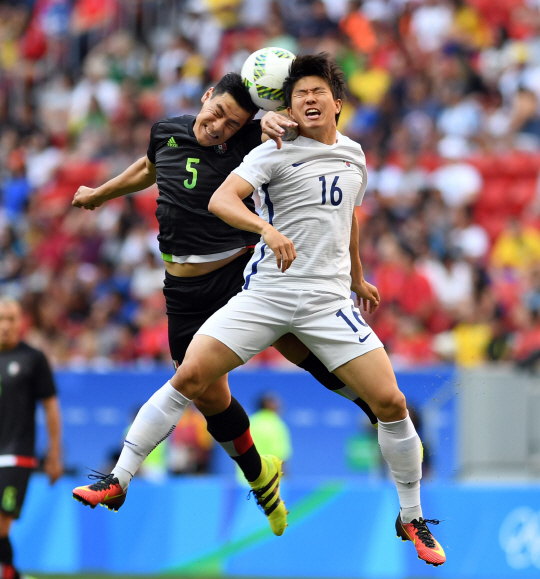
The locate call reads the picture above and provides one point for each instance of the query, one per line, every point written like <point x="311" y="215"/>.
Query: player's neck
<point x="6" y="346"/>
<point x="325" y="135"/>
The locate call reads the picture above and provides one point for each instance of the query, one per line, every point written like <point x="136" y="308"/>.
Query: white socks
<point x="154" y="422"/>
<point x="401" y="447"/>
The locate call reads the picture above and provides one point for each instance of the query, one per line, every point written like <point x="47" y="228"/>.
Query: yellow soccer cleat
<point x="266" y="491"/>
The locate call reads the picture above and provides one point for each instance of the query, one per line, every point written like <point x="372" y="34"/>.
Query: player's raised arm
<point x="365" y="292"/>
<point x="136" y="177"/>
<point x="227" y="204"/>
<point x="279" y="127"/>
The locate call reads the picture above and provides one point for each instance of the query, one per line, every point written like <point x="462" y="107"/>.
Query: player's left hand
<point x="279" y="127"/>
<point x="53" y="467"/>
<point x="368" y="294"/>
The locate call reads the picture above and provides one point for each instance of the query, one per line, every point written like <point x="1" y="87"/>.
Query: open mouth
<point x="209" y="133"/>
<point x="313" y="113"/>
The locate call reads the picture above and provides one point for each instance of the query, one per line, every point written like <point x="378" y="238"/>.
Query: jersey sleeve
<point x="151" y="152"/>
<point x="260" y="165"/>
<point x="42" y="378"/>
<point x="362" y="190"/>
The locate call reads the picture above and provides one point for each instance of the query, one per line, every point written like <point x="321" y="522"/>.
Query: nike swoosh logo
<point x="362" y="340"/>
<point x="108" y="497"/>
<point x="298" y="164"/>
<point x="132" y="444"/>
<point x="439" y="550"/>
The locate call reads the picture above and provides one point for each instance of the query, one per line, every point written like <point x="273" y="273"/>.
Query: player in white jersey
<point x="309" y="190"/>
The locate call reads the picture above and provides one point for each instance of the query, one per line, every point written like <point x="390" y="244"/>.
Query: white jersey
<point x="308" y="191"/>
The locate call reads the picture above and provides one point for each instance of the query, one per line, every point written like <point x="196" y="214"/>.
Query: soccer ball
<point x="263" y="74"/>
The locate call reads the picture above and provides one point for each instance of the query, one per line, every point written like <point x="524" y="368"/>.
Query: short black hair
<point x="320" y="65"/>
<point x="232" y="84"/>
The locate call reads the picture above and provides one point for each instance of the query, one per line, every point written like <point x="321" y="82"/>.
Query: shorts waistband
<point x="209" y="276"/>
<point x="16" y="460"/>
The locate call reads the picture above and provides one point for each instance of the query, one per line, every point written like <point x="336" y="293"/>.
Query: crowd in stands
<point x="444" y="97"/>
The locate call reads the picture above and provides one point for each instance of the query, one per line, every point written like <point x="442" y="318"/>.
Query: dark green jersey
<point x="187" y="175"/>
<point x="25" y="378"/>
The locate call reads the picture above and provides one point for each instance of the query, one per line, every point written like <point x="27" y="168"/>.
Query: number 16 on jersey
<point x="336" y="195"/>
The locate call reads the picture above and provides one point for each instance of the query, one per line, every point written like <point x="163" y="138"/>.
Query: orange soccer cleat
<point x="107" y="492"/>
<point x="426" y="545"/>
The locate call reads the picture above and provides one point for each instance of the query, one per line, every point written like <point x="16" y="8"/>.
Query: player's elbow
<point x="215" y="205"/>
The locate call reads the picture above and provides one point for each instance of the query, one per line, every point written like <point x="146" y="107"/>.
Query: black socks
<point x="231" y="429"/>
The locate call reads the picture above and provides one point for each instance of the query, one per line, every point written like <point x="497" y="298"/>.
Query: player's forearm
<point x="54" y="428"/>
<point x="357" y="273"/>
<point x="226" y="203"/>
<point x="136" y="177"/>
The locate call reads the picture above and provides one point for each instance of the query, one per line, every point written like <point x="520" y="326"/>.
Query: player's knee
<point x="391" y="407"/>
<point x="5" y="524"/>
<point x="188" y="380"/>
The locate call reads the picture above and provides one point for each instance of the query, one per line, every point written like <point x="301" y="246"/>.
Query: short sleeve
<point x="260" y="165"/>
<point x="43" y="381"/>
<point x="151" y="152"/>
<point x="362" y="190"/>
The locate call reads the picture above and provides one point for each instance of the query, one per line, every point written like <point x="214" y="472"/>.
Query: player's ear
<point x="207" y="95"/>
<point x="339" y="104"/>
<point x="289" y="112"/>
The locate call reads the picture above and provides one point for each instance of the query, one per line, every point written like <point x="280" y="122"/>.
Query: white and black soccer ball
<point x="263" y="74"/>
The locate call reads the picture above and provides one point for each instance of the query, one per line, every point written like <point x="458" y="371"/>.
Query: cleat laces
<point x="423" y="533"/>
<point x="257" y="495"/>
<point x="105" y="481"/>
<point x="263" y="501"/>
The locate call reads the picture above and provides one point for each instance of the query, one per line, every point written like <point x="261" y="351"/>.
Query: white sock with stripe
<point x="153" y="424"/>
<point x="401" y="447"/>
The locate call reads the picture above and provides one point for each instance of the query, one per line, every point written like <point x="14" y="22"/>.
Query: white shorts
<point x="328" y="324"/>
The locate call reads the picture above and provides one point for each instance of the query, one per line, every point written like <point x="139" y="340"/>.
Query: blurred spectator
<point x="362" y="453"/>
<point x="190" y="445"/>
<point x="444" y="98"/>
<point x="468" y="237"/>
<point x="459" y="182"/>
<point x="517" y="247"/>
<point x="269" y="431"/>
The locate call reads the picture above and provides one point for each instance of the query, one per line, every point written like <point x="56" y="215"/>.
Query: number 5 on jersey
<point x="193" y="171"/>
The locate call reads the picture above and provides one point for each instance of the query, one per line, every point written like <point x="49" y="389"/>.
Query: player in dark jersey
<point x="25" y="379"/>
<point x="189" y="157"/>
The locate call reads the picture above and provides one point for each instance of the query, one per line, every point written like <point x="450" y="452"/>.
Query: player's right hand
<point x="85" y="198"/>
<point x="279" y="127"/>
<point x="282" y="247"/>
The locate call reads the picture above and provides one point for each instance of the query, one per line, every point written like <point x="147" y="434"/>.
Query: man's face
<point x="10" y="325"/>
<point x="220" y="118"/>
<point x="313" y="105"/>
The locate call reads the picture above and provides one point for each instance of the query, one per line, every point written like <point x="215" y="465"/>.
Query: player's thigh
<point x="191" y="301"/>
<point x="215" y="399"/>
<point x="5" y="524"/>
<point x="292" y="348"/>
<point x="333" y="329"/>
<point x="13" y="485"/>
<point x="371" y="377"/>
<point x="206" y="361"/>
<point x="250" y="322"/>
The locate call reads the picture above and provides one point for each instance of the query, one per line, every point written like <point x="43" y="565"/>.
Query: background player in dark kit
<point x="25" y="378"/>
<point x="189" y="157"/>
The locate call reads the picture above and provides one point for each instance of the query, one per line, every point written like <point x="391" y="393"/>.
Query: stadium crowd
<point x="444" y="98"/>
